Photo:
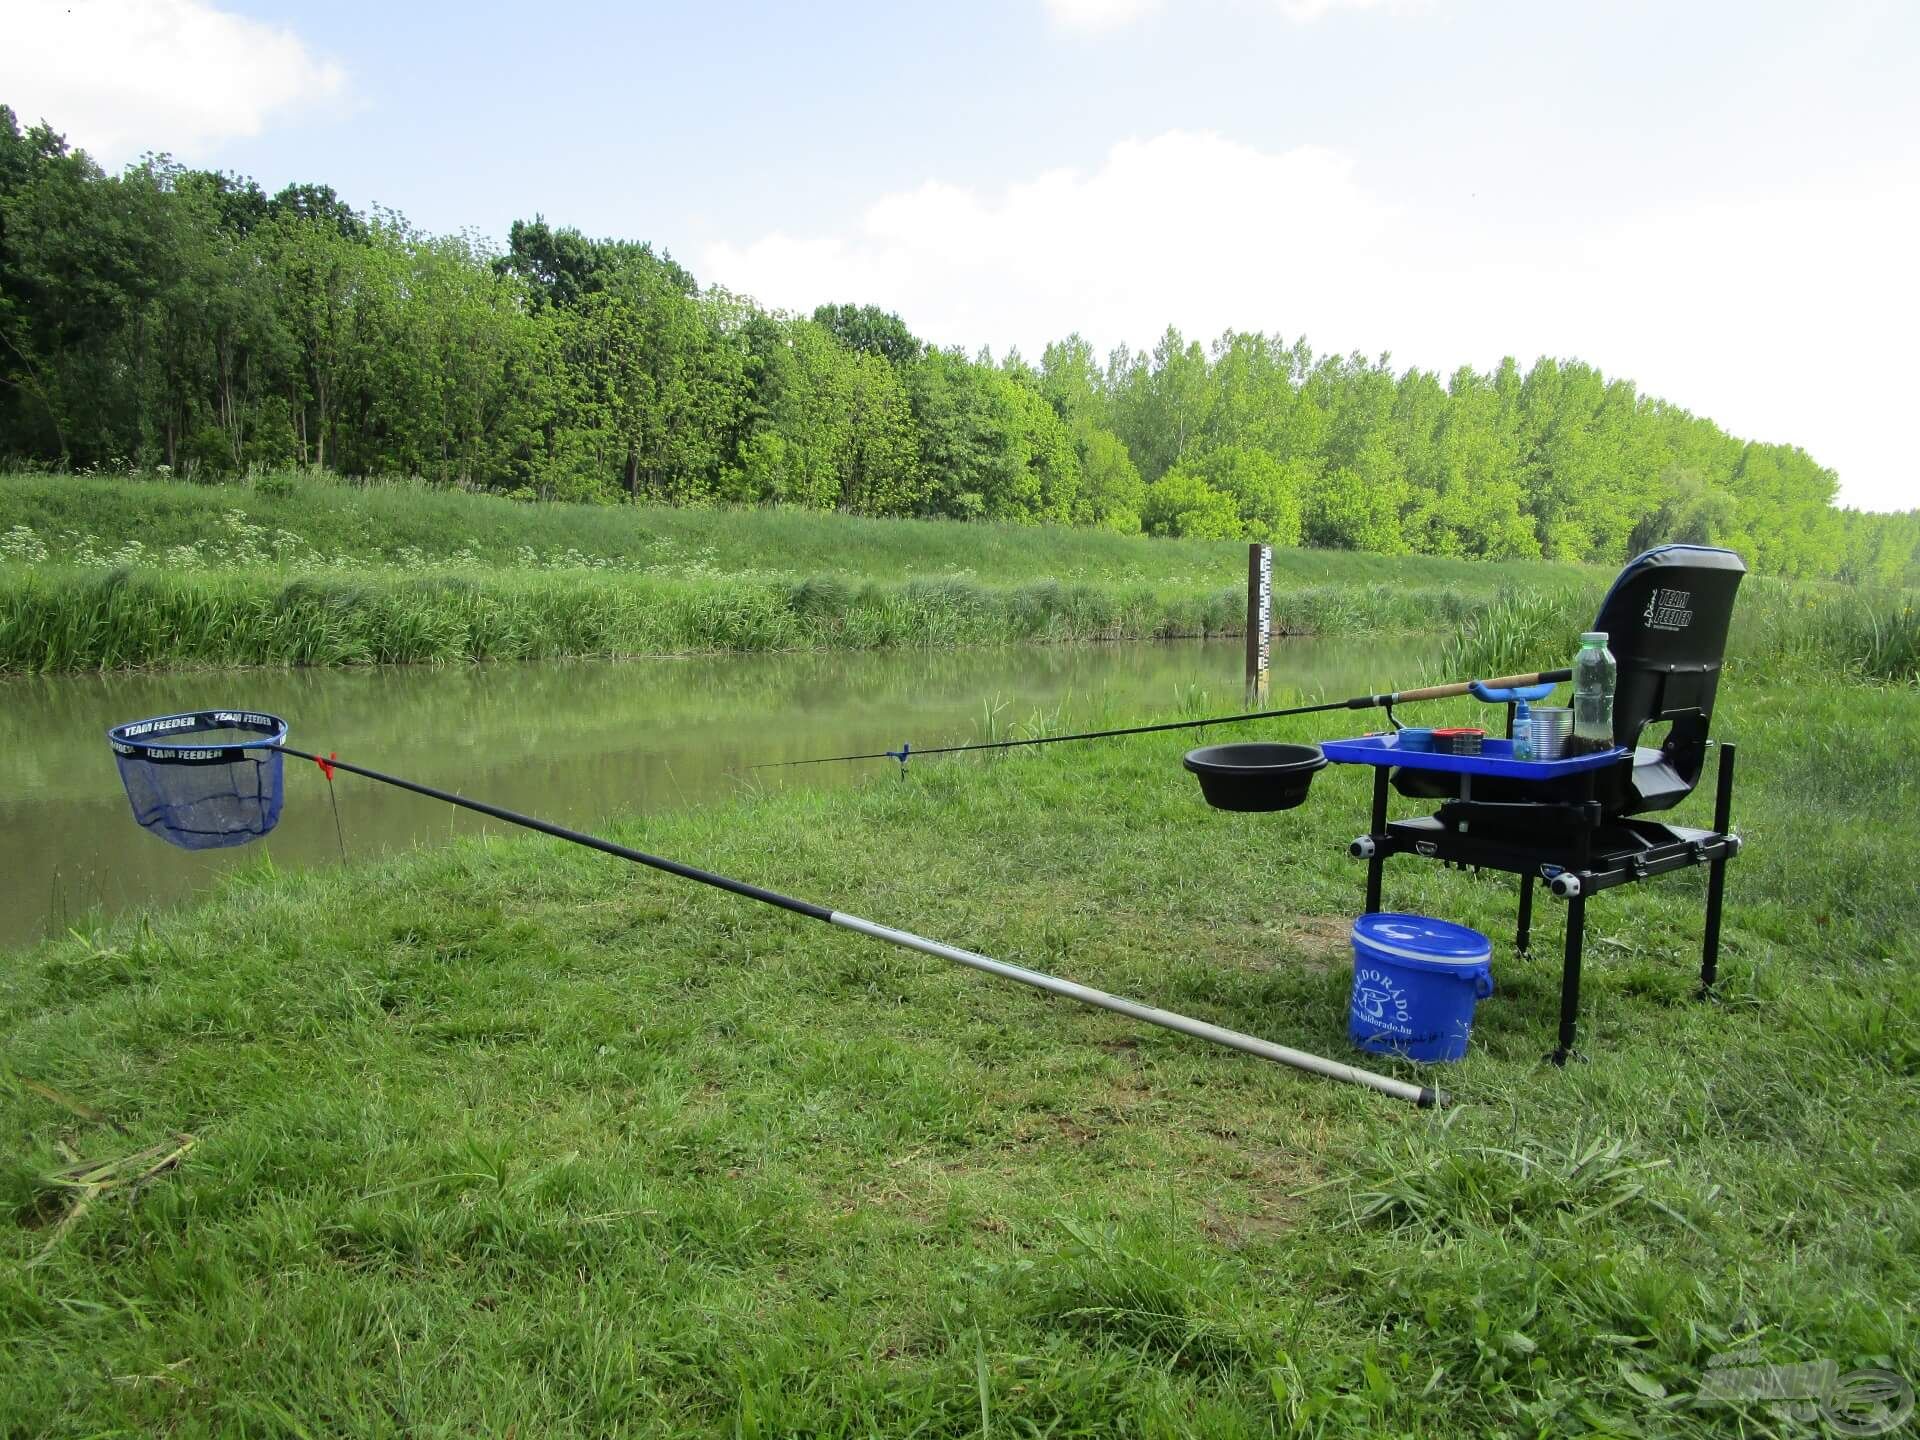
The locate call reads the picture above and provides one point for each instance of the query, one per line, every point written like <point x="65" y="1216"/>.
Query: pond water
<point x="577" y="742"/>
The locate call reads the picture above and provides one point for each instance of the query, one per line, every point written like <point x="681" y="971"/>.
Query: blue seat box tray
<point x="1496" y="758"/>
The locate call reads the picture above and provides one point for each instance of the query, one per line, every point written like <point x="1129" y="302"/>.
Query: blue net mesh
<point x="202" y="780"/>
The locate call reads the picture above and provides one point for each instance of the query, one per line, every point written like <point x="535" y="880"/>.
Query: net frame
<point x="203" y="794"/>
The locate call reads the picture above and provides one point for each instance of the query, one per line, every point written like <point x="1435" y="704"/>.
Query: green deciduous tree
<point x="167" y="315"/>
<point x="1111" y="494"/>
<point x="869" y="330"/>
<point x="1181" y="503"/>
<point x="1268" y="494"/>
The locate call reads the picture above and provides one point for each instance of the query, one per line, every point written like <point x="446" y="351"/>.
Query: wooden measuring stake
<point x="1259" y="618"/>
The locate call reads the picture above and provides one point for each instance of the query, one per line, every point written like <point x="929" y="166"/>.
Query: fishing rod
<point x="200" y="792"/>
<point x="1386" y="700"/>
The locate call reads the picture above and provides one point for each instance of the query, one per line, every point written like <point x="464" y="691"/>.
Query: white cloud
<point x="1783" y="316"/>
<point x="118" y="77"/>
<point x="1184" y="225"/>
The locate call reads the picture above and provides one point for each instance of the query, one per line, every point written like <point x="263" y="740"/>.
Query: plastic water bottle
<point x="1522" y="730"/>
<point x="1594" y="673"/>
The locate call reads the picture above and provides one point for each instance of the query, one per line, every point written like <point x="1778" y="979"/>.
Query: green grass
<point x="100" y="574"/>
<point x="1803" y="634"/>
<point x="55" y="619"/>
<point x="408" y="524"/>
<point x="508" y="1137"/>
<point x="104" y="574"/>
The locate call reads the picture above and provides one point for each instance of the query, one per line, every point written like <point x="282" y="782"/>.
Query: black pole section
<point x="1358" y="702"/>
<point x="578" y="837"/>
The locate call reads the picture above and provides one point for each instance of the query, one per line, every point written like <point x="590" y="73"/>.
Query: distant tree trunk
<point x="320" y="427"/>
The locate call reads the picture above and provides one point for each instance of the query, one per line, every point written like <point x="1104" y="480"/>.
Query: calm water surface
<point x="577" y="742"/>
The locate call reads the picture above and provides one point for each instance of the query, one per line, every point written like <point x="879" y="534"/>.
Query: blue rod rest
<point x="1507" y="697"/>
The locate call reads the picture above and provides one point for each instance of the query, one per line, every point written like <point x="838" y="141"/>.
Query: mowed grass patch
<point x="510" y="1134"/>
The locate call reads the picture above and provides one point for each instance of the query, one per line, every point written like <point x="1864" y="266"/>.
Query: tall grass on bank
<point x="77" y="620"/>
<point x="1788" y="632"/>
<point x="100" y="573"/>
<point x="1833" y="633"/>
<point x="54" y="619"/>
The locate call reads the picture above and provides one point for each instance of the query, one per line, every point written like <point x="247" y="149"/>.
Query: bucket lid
<point x="1419" y="937"/>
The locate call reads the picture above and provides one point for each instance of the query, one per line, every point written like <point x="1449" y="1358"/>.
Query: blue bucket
<point x="1415" y="983"/>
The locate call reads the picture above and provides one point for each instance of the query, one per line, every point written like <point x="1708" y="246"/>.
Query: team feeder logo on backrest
<point x="1668" y="610"/>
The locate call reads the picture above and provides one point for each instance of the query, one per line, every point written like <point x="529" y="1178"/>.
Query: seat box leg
<point x="1377" y="829"/>
<point x="1570" y="978"/>
<point x="1717" y="875"/>
<point x="1710" y="946"/>
<point x="1523" y="932"/>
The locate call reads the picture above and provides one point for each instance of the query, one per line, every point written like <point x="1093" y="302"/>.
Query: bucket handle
<point x="1483" y="985"/>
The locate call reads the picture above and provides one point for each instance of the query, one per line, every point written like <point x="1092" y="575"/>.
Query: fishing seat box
<point x="1582" y="826"/>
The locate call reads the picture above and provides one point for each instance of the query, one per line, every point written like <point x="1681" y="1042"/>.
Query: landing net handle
<point x="1424" y="1096"/>
<point x="135" y="744"/>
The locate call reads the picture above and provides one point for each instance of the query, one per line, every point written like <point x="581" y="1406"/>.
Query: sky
<point x="1719" y="201"/>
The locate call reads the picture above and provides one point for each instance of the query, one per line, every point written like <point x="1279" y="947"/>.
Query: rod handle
<point x="1504" y="682"/>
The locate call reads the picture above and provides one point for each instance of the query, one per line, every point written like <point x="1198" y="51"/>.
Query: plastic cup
<point x="1551" y="725"/>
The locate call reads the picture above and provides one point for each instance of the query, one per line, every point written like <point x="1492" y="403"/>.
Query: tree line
<point x="186" y="318"/>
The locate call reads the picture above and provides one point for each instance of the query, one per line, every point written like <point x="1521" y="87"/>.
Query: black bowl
<point x="1255" y="776"/>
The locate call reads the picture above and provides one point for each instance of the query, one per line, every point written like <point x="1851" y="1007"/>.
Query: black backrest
<point x="1666" y="619"/>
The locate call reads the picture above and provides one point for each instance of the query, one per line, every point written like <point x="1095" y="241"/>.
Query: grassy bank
<point x="57" y="618"/>
<point x="109" y="574"/>
<point x="54" y="619"/>
<point x="105" y="574"/>
<point x="316" y="521"/>
<point x="510" y="1135"/>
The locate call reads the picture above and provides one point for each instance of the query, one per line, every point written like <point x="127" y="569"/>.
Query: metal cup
<point x="1551" y="725"/>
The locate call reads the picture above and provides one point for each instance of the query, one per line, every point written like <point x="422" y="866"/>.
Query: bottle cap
<point x="1594" y="637"/>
